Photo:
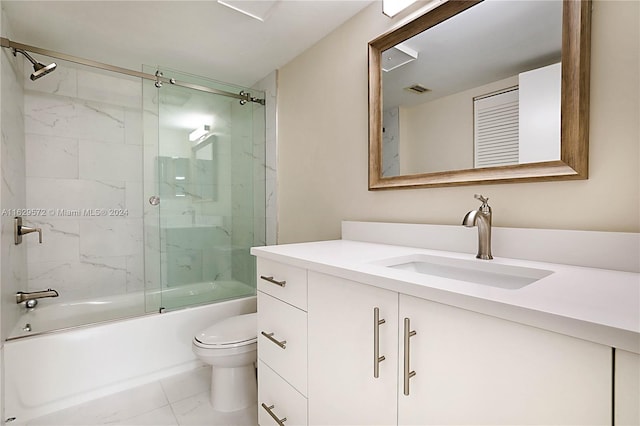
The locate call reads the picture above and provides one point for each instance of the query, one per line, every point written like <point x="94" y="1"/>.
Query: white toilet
<point x="230" y="347"/>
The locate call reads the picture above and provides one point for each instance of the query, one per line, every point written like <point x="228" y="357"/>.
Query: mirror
<point x="481" y="92"/>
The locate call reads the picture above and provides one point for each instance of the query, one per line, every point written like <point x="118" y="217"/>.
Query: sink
<point x="474" y="271"/>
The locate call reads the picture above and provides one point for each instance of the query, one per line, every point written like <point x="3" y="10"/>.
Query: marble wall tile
<point x="108" y="161"/>
<point x="51" y="156"/>
<point x="134" y="199"/>
<point x="109" y="88"/>
<point x="135" y="272"/>
<point x="60" y="240"/>
<point x="13" y="267"/>
<point x="80" y="279"/>
<point x="183" y="267"/>
<point x="391" y="142"/>
<point x="72" y="194"/>
<point x="105" y="237"/>
<point x="68" y="117"/>
<point x="62" y="82"/>
<point x="133" y="126"/>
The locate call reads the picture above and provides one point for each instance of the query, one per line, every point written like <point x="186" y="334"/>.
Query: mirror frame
<point x="574" y="127"/>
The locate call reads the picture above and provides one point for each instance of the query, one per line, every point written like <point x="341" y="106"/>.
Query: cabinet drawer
<point x="281" y="399"/>
<point x="284" y="282"/>
<point x="285" y="347"/>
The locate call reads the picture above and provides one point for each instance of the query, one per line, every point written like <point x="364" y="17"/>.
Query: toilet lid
<point x="234" y="330"/>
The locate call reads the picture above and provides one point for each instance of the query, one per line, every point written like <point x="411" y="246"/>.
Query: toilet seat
<point x="236" y="331"/>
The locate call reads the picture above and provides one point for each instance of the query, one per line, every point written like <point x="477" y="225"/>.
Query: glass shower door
<point x="209" y="175"/>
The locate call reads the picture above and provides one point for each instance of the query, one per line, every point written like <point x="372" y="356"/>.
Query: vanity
<point x="401" y="324"/>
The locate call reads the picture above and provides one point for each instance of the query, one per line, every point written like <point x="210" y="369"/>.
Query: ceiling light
<point x="397" y="56"/>
<point x="259" y="9"/>
<point x="199" y="132"/>
<point x="392" y="7"/>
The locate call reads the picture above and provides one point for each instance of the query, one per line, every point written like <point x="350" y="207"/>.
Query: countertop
<point x="599" y="305"/>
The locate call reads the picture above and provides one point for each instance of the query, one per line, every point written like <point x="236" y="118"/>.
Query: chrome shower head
<point x="39" y="69"/>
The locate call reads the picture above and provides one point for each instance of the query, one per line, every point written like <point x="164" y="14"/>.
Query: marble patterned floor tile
<point x="197" y="411"/>
<point x="187" y="384"/>
<point x="159" y="417"/>
<point x="110" y="409"/>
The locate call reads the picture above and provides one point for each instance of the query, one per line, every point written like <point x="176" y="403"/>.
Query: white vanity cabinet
<point x="627" y="388"/>
<point x="472" y="368"/>
<point x="282" y="344"/>
<point x="342" y="348"/>
<point x="463" y="367"/>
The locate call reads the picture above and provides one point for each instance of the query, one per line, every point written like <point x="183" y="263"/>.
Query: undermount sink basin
<point x="476" y="271"/>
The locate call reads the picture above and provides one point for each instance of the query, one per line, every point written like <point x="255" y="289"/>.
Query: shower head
<point x="39" y="69"/>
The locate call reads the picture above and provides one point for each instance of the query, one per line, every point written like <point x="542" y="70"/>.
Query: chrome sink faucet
<point x="482" y="219"/>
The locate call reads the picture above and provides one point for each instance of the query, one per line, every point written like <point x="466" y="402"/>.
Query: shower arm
<point x="242" y="96"/>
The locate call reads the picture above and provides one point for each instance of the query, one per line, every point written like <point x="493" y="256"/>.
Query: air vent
<point x="417" y="88"/>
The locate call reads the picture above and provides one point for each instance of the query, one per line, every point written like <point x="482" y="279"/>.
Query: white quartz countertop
<point x="598" y="305"/>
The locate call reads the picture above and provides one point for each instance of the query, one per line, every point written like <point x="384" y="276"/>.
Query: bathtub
<point x="54" y="370"/>
<point x="51" y="316"/>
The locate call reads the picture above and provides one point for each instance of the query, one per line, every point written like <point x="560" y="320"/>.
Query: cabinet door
<point x="477" y="369"/>
<point x="627" y="388"/>
<point x="341" y="329"/>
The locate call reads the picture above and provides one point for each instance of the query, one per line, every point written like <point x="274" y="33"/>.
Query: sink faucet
<point x="482" y="219"/>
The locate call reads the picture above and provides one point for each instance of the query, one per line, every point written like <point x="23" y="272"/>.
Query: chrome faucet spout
<point x="482" y="219"/>
<point x="22" y="296"/>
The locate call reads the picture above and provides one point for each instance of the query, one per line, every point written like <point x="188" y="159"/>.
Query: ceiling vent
<point x="417" y="88"/>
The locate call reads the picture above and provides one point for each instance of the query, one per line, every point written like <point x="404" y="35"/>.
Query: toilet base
<point x="233" y="388"/>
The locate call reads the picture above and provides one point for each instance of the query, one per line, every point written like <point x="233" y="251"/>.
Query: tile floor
<point x="181" y="400"/>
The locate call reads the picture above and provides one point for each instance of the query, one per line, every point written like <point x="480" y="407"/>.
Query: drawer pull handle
<point x="407" y="369"/>
<point x="377" y="359"/>
<point x="269" y="336"/>
<point x="272" y="414"/>
<point x="272" y="281"/>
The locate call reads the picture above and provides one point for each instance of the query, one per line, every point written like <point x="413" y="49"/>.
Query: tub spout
<point x="482" y="219"/>
<point x="24" y="296"/>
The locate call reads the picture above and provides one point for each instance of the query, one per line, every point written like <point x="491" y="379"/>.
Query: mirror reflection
<point x="480" y="89"/>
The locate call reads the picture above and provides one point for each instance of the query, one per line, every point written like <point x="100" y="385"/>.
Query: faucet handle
<point x="481" y="198"/>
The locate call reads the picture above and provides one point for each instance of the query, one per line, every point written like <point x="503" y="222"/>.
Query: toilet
<point x="230" y="347"/>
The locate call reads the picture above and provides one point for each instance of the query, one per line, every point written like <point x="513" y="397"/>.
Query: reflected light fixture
<point x="199" y="132"/>
<point x="392" y="7"/>
<point x="257" y="9"/>
<point x="397" y="56"/>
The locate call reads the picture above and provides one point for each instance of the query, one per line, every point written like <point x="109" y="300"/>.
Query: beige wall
<point x="448" y="125"/>
<point x="322" y="143"/>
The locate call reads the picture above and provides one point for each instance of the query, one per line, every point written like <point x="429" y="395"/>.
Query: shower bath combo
<point x="217" y="215"/>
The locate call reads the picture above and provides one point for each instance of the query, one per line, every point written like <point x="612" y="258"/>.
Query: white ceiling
<point x="490" y="41"/>
<point x="198" y="37"/>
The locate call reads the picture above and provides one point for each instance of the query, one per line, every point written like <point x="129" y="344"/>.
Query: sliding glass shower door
<point x="204" y="185"/>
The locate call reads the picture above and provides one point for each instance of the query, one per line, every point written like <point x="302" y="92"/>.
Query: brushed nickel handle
<point x="408" y="373"/>
<point x="272" y="281"/>
<point x="269" y="409"/>
<point x="269" y="336"/>
<point x="377" y="359"/>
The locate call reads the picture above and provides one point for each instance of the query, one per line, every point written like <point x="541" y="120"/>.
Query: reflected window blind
<point x="495" y="124"/>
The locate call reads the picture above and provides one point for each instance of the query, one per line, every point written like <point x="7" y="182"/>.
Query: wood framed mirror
<point x="403" y="150"/>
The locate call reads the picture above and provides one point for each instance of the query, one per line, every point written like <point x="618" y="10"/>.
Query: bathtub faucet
<point x="22" y="296"/>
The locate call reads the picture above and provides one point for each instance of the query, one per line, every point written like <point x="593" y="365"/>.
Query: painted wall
<point x="322" y="143"/>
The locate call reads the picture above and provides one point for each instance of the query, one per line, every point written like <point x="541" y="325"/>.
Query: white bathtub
<point x="50" y="316"/>
<point x="52" y="371"/>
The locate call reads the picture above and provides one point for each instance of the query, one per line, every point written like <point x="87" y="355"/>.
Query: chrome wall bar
<point x="242" y="96"/>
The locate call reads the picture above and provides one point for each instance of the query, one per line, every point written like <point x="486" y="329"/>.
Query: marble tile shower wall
<point x="83" y="137"/>
<point x="13" y="268"/>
